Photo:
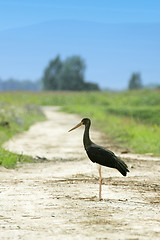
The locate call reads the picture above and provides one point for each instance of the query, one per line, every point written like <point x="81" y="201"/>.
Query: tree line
<point x="16" y="85"/>
<point x="67" y="75"/>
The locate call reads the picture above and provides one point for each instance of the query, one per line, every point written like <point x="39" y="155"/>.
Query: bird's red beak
<point x="78" y="125"/>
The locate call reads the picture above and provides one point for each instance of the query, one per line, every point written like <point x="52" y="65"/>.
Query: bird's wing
<point x="101" y="155"/>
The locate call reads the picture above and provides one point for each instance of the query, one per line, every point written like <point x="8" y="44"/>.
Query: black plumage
<point x="100" y="155"/>
<point x="106" y="158"/>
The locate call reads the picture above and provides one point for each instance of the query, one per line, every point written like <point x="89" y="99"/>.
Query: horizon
<point x="114" y="39"/>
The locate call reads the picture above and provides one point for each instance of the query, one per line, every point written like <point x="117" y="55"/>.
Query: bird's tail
<point x="121" y="167"/>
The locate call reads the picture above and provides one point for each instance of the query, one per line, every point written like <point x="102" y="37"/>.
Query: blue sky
<point x="114" y="37"/>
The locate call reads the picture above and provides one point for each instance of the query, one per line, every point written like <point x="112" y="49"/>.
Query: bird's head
<point x="84" y="121"/>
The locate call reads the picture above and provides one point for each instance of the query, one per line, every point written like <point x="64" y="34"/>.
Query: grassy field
<point x="129" y="118"/>
<point x="14" y="118"/>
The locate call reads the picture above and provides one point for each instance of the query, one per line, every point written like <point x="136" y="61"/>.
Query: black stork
<point x="100" y="155"/>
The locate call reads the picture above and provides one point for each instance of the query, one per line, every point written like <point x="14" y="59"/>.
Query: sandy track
<point x="57" y="199"/>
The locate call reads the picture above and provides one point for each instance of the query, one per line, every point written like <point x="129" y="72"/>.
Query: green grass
<point x="130" y="118"/>
<point x="125" y="131"/>
<point x="19" y="118"/>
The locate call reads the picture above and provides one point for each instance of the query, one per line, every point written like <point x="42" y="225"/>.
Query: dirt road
<point x="58" y="198"/>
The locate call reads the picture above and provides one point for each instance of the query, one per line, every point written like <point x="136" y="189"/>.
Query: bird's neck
<point x="86" y="139"/>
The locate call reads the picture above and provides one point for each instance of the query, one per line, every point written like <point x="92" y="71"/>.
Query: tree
<point x="72" y="74"/>
<point x="135" y="82"/>
<point x="66" y="75"/>
<point x="51" y="75"/>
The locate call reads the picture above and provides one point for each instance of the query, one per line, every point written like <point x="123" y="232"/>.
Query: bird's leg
<point x="100" y="183"/>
